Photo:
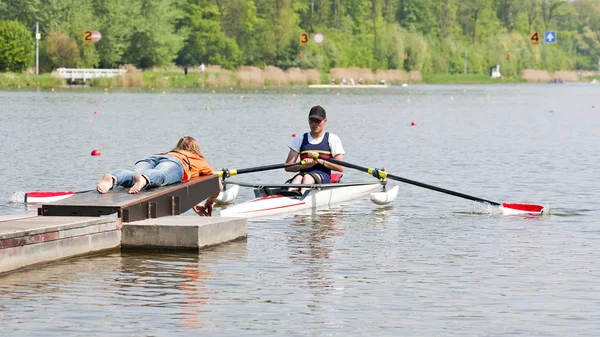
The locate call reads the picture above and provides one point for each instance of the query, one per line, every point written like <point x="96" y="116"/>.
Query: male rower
<point x="317" y="141"/>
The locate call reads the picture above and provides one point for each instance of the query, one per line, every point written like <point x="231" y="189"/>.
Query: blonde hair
<point x="187" y="143"/>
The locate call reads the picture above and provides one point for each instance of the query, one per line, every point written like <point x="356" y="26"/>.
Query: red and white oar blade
<point x="41" y="197"/>
<point x="515" y="209"/>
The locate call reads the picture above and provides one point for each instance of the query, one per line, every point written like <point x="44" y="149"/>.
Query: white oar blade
<point x="383" y="198"/>
<point x="42" y="197"/>
<point x="228" y="196"/>
<point x="516" y="209"/>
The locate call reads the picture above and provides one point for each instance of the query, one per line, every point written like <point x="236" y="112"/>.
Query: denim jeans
<point x="160" y="170"/>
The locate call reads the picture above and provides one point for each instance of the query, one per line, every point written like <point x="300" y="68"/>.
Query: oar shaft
<point x="412" y="182"/>
<point x="265" y="168"/>
<point x="443" y="190"/>
<point x="230" y="173"/>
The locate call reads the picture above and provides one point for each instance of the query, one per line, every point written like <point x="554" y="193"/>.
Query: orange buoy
<point x="207" y="108"/>
<point x="413" y="124"/>
<point x="95" y="112"/>
<point x="95" y="153"/>
<point x="294" y="134"/>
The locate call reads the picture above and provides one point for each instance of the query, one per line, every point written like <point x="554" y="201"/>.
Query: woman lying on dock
<point x="181" y="164"/>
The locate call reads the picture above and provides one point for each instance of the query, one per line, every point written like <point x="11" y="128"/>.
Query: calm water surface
<point x="428" y="264"/>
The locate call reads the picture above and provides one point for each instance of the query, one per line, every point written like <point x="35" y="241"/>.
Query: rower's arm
<point x="291" y="158"/>
<point x="332" y="166"/>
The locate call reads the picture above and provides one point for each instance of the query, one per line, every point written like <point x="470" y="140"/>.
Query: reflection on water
<point x="135" y="287"/>
<point x="171" y="281"/>
<point x="312" y="242"/>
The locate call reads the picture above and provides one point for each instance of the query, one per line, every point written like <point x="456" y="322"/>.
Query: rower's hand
<point x="310" y="160"/>
<point x="204" y="209"/>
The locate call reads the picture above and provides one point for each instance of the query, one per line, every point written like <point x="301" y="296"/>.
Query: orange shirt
<point x="193" y="165"/>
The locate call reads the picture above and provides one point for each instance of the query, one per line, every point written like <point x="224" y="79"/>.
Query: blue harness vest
<point x="322" y="149"/>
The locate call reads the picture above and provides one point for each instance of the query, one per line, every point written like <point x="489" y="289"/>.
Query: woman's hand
<point x="204" y="210"/>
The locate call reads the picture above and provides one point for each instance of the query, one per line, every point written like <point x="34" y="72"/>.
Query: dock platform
<point x="28" y="240"/>
<point x="85" y="224"/>
<point x="153" y="203"/>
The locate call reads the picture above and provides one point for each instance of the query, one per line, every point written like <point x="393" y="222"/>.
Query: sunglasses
<point x="315" y="120"/>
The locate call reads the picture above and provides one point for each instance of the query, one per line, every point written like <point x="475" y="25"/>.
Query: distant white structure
<point x="495" y="71"/>
<point x="76" y="74"/>
<point x="202" y="68"/>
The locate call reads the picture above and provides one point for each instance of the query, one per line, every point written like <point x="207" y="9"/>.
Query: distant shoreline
<point x="253" y="77"/>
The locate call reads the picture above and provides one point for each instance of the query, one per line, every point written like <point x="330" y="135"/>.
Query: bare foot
<point x="106" y="184"/>
<point x="139" y="183"/>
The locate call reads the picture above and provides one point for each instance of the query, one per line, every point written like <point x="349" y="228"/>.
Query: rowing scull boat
<point x="272" y="199"/>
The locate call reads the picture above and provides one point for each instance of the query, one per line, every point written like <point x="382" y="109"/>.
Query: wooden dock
<point x="148" y="204"/>
<point x="29" y="240"/>
<point x="75" y="226"/>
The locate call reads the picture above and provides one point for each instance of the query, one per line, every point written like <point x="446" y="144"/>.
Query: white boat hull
<point x="349" y="86"/>
<point x="314" y="199"/>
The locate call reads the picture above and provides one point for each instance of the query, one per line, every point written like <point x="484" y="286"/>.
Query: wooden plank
<point x="152" y="203"/>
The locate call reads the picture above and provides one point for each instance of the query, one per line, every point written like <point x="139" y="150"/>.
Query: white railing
<point x="75" y="74"/>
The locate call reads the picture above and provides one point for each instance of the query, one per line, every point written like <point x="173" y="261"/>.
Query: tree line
<point x="429" y="36"/>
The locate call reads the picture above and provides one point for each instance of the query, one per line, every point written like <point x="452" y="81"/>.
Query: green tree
<point x="61" y="51"/>
<point x="154" y="42"/>
<point x="506" y="11"/>
<point x="239" y="21"/>
<point x="205" y="42"/>
<point x="24" y="11"/>
<point x="552" y="9"/>
<point x="418" y="16"/>
<point x="116" y="27"/>
<point x="16" y="47"/>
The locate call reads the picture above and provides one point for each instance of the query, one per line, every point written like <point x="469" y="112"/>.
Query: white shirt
<point x="334" y="143"/>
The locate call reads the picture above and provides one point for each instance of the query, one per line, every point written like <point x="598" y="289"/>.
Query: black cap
<point x="318" y="112"/>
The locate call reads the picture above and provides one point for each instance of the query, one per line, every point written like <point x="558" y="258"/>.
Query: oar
<point x="45" y="196"/>
<point x="507" y="208"/>
<point x="226" y="173"/>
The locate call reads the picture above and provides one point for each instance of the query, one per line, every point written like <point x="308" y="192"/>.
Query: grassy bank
<point x="468" y="79"/>
<point x="12" y="80"/>
<point x="253" y="77"/>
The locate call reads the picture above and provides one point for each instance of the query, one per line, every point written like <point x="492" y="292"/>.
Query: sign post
<point x="550" y="37"/>
<point x="318" y="38"/>
<point x="534" y="38"/>
<point x="303" y="39"/>
<point x="38" y="36"/>
<point x="91" y="36"/>
<point x="87" y="37"/>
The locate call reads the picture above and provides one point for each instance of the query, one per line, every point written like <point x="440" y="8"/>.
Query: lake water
<point x="429" y="264"/>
